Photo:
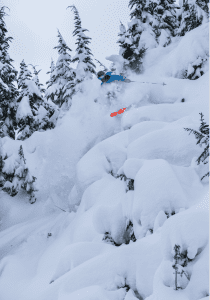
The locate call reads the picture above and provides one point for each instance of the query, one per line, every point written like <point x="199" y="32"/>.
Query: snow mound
<point x="101" y="159"/>
<point x="110" y="219"/>
<point x="143" y="128"/>
<point x="160" y="113"/>
<point x="76" y="254"/>
<point x="171" y="144"/>
<point x="94" y="293"/>
<point x="189" y="229"/>
<point x="156" y="188"/>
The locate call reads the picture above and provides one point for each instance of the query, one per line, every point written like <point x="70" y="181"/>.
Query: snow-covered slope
<point x="97" y="175"/>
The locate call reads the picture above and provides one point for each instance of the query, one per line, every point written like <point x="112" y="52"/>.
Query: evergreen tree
<point x="125" y="46"/>
<point x="129" y="233"/>
<point x="1" y="167"/>
<point x="85" y="66"/>
<point x="141" y="34"/>
<point x="60" y="84"/>
<point x="192" y="15"/>
<point x="202" y="137"/>
<point x="165" y="23"/>
<point x="25" y="74"/>
<point x="36" y="79"/>
<point x="33" y="113"/>
<point x="8" y="75"/>
<point x="180" y="262"/>
<point x="17" y="176"/>
<point x="51" y="80"/>
<point x="28" y="103"/>
<point x="153" y="23"/>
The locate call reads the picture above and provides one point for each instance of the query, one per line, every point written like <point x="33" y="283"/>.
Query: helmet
<point x="100" y="74"/>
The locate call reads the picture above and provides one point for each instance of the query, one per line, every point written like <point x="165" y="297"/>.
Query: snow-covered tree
<point x="125" y="46"/>
<point x="153" y="23"/>
<point x="33" y="113"/>
<point x="197" y="68"/>
<point x="85" y="66"/>
<point x="165" y="23"/>
<point x="24" y="74"/>
<point x="192" y="15"/>
<point x="202" y="137"/>
<point x="61" y="76"/>
<point x="180" y="262"/>
<point x="141" y="35"/>
<point x="17" y="176"/>
<point x="8" y="75"/>
<point x="36" y="79"/>
<point x="50" y="82"/>
<point x="1" y="166"/>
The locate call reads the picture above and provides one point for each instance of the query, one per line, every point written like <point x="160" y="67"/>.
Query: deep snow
<point x="51" y="254"/>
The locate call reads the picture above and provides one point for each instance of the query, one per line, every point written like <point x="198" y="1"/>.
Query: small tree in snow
<point x="85" y="66"/>
<point x="196" y="69"/>
<point x="36" y="79"/>
<point x="202" y="137"/>
<point x="33" y="113"/>
<point x="24" y="74"/>
<point x="62" y="75"/>
<point x="129" y="233"/>
<point x="8" y="91"/>
<point x="125" y="46"/>
<point x="17" y="176"/>
<point x="180" y="262"/>
<point x="50" y="82"/>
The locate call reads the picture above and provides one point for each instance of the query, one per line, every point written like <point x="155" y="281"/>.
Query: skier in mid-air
<point x="108" y="77"/>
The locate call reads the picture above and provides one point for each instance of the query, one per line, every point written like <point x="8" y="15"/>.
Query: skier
<point x="107" y="78"/>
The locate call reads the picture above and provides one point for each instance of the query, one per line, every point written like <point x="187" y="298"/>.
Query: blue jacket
<point x="112" y="78"/>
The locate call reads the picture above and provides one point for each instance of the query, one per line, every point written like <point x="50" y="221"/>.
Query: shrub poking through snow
<point x="180" y="262"/>
<point x="202" y="137"/>
<point x="169" y="214"/>
<point x="127" y="237"/>
<point x="130" y="184"/>
<point x="17" y="176"/>
<point x="196" y="69"/>
<point x="129" y="233"/>
<point x="108" y="239"/>
<point x="129" y="181"/>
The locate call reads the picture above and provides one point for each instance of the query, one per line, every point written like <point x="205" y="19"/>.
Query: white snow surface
<point x="24" y="108"/>
<point x="56" y="249"/>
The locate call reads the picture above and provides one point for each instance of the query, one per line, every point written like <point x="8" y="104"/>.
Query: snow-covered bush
<point x="202" y="137"/>
<point x="185" y="248"/>
<point x="17" y="176"/>
<point x="196" y="69"/>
